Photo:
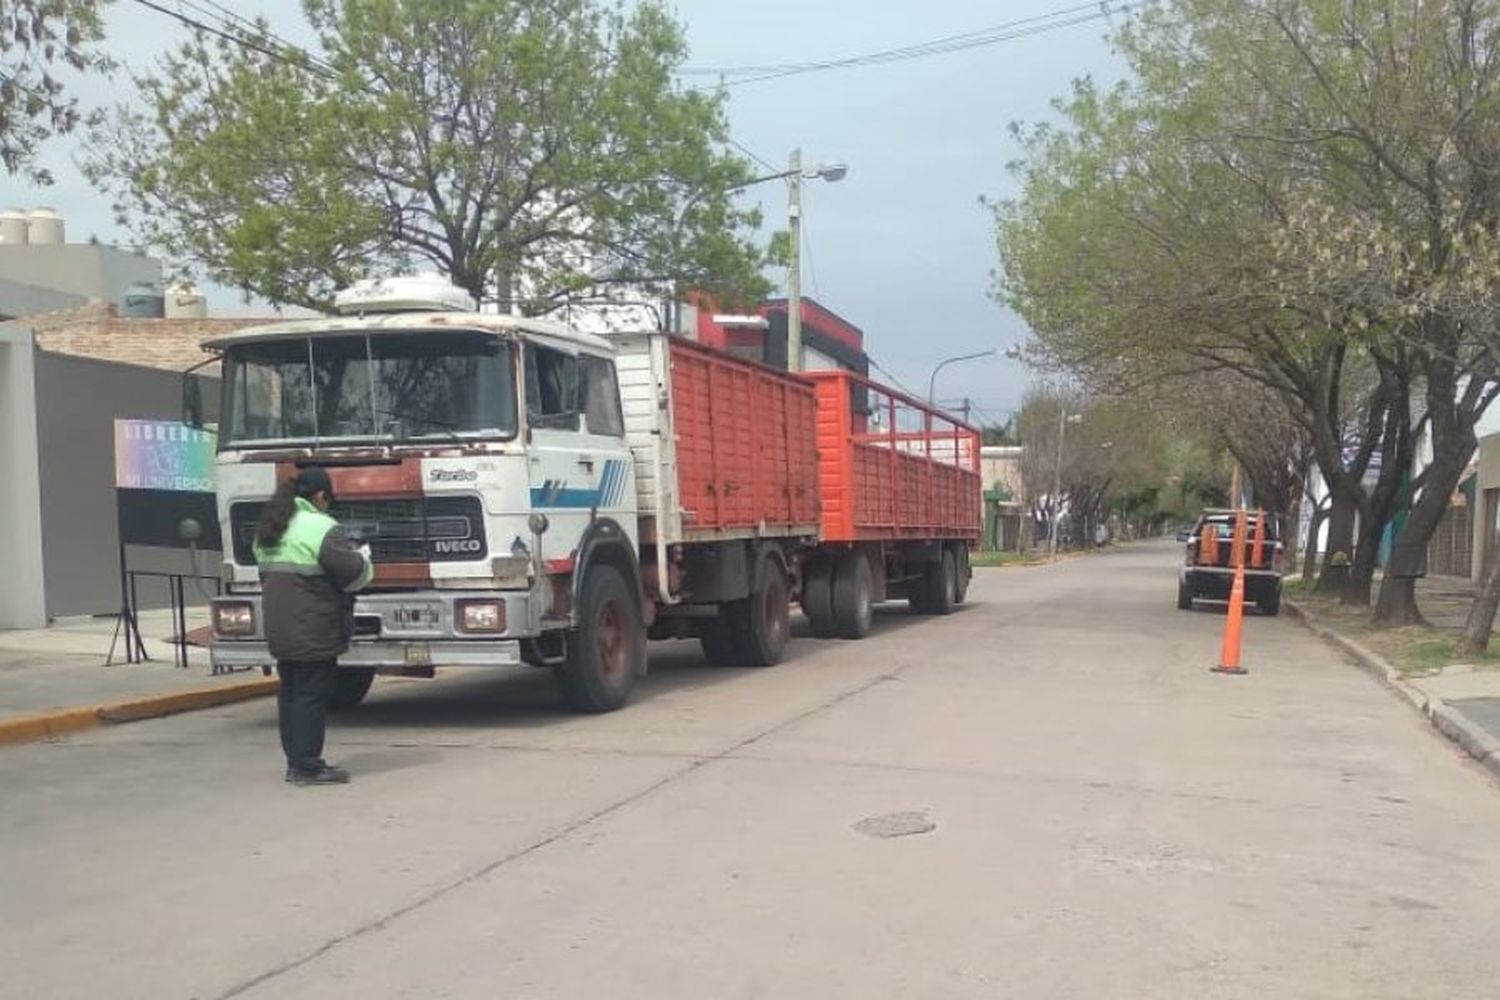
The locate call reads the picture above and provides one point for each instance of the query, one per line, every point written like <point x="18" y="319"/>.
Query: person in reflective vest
<point x="309" y="572"/>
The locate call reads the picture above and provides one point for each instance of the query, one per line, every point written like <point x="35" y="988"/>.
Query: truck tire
<point x="762" y="623"/>
<point x="1184" y="597"/>
<point x="965" y="572"/>
<point x="350" y="685"/>
<point x="721" y="646"/>
<point x="817" y="597"/>
<point x="853" y="596"/>
<point x="941" y="583"/>
<point x="608" y="648"/>
<point x="1271" y="605"/>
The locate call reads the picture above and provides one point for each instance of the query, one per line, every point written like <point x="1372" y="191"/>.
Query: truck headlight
<point x="483" y="617"/>
<point x="234" y="619"/>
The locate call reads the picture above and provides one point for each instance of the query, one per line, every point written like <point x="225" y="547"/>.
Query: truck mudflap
<point x="385" y="654"/>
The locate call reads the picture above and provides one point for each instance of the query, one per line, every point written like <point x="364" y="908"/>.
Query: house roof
<point x="95" y="331"/>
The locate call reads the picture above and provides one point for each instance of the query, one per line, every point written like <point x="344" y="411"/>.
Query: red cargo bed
<point x="724" y="447"/>
<point x="892" y="467"/>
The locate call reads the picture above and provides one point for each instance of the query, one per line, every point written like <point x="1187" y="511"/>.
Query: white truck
<point x="534" y="494"/>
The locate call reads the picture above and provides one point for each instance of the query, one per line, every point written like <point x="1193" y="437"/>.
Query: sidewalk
<point x="1462" y="700"/>
<point x="56" y="680"/>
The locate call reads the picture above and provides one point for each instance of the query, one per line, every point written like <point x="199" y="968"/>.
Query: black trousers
<point x="302" y="705"/>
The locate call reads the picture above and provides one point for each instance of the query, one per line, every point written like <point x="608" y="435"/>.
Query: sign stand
<point x="135" y="646"/>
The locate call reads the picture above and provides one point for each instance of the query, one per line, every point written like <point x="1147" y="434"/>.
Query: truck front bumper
<point x="383" y="654"/>
<point x="396" y="631"/>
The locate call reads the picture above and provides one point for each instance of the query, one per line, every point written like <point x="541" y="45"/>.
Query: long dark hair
<point x="277" y="514"/>
<point x="278" y="511"/>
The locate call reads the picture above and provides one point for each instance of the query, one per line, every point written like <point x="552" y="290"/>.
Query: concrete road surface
<point x="1088" y="813"/>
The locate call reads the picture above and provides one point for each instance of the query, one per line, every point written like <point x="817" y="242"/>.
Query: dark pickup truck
<point x="1208" y="570"/>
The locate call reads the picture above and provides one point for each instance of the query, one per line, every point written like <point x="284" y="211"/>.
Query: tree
<point x="532" y="150"/>
<point x="36" y="38"/>
<point x="1293" y="191"/>
<point x="1116" y="456"/>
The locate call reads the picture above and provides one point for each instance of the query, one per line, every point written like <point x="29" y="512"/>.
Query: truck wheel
<point x="853" y="596"/>
<point x="350" y="685"/>
<point x="941" y="584"/>
<point x="607" y="649"/>
<point x="817" y="597"/>
<point x="1184" y="597"/>
<point x="762" y="623"/>
<point x="1270" y="605"/>
<point x="721" y="646"/>
<point x="965" y="573"/>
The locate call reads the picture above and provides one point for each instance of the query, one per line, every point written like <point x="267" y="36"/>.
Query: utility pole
<point x="1062" y="424"/>
<point x="1236" y="500"/>
<point x="794" y="273"/>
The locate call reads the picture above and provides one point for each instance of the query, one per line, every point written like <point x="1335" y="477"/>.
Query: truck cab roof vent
<point x="421" y="293"/>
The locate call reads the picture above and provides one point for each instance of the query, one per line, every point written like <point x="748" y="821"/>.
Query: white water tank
<point x="45" y="227"/>
<point x="12" y="227"/>
<point x="185" y="302"/>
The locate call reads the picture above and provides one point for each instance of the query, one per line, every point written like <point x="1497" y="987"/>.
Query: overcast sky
<point x="902" y="247"/>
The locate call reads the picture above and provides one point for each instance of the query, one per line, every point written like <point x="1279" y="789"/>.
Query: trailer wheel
<point x="762" y="622"/>
<point x="817" y="597"/>
<point x="853" y="596"/>
<point x="965" y="573"/>
<point x="350" y="685"/>
<point x="608" y="648"/>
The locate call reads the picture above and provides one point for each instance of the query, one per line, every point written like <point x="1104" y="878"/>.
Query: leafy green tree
<point x="1295" y="192"/>
<point x="37" y="37"/>
<point x="532" y="150"/>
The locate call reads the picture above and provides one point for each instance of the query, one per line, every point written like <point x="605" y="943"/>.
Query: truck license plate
<point x="418" y="654"/>
<point x="417" y="616"/>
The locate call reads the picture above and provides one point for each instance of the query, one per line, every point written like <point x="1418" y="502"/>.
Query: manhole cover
<point x="897" y="824"/>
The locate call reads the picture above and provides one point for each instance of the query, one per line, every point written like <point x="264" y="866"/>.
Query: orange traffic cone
<point x="1229" y="652"/>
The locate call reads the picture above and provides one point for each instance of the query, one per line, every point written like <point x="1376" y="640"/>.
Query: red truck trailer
<point x="900" y="487"/>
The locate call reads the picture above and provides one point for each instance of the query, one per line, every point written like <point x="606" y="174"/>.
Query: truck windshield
<point x="378" y="387"/>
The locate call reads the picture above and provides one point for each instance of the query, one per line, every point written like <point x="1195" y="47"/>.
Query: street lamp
<point x="830" y="172"/>
<point x="932" y="382"/>
<point x="833" y="173"/>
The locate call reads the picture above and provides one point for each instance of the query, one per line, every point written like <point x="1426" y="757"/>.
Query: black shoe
<point x="325" y="775"/>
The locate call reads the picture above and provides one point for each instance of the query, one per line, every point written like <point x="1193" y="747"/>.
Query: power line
<point x="235" y="38"/>
<point x="243" y="24"/>
<point x="1008" y="31"/>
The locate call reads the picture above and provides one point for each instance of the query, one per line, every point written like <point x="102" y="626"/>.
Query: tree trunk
<point x="1310" y="553"/>
<point x="1397" y="604"/>
<point x="1476" y="634"/>
<point x="1335" y="577"/>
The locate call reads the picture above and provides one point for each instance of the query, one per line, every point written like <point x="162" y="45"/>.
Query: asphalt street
<point x="1046" y="795"/>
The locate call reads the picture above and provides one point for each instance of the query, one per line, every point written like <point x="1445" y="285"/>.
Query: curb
<point x="50" y="725"/>
<point x="1450" y="722"/>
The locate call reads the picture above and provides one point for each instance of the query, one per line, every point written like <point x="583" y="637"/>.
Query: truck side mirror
<point x="192" y="402"/>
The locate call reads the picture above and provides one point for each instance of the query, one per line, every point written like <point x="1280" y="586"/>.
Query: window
<point x="390" y="387"/>
<point x="601" y="397"/>
<point x="551" y="388"/>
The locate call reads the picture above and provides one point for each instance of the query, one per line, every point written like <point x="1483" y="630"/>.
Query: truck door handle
<point x="587" y="462"/>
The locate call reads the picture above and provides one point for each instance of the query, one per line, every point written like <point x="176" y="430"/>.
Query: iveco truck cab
<point x="482" y="458"/>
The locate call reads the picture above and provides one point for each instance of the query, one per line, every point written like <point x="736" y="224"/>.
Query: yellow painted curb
<point x="26" y="728"/>
<point x="185" y="701"/>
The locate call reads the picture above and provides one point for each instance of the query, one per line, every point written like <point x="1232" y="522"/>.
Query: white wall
<point x="22" y="594"/>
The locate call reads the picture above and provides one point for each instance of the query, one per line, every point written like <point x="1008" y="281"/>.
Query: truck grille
<point x="416" y="530"/>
